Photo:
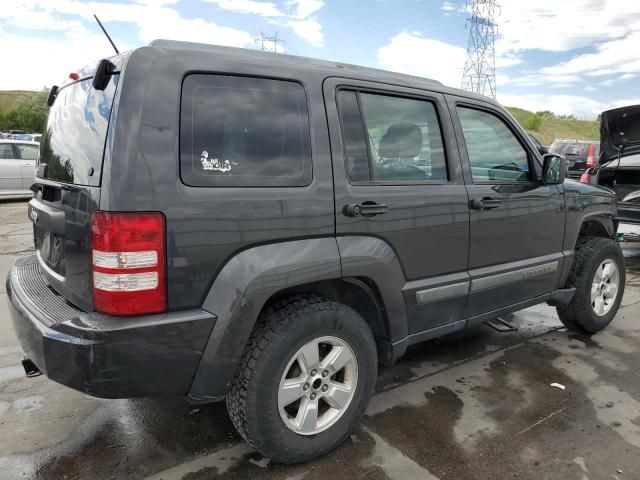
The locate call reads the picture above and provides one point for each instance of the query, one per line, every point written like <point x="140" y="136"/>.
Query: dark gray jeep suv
<point x="220" y="223"/>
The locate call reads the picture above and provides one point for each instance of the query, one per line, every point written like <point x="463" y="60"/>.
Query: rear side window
<point x="244" y="132"/>
<point x="391" y="139"/>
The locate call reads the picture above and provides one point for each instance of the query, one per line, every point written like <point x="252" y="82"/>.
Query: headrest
<point x="402" y="140"/>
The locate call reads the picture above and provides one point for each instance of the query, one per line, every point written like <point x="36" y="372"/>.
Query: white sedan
<point x="18" y="160"/>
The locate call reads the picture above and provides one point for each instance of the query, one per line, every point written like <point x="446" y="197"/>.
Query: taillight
<point x="591" y="156"/>
<point x="128" y="263"/>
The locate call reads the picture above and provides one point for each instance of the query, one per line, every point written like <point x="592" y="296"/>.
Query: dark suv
<point x="579" y="154"/>
<point x="220" y="223"/>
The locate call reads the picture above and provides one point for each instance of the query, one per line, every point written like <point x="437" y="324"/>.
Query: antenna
<point x="105" y="32"/>
<point x="480" y="66"/>
<point x="270" y="43"/>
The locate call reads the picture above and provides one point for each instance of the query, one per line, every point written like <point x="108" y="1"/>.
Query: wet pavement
<point x="474" y="405"/>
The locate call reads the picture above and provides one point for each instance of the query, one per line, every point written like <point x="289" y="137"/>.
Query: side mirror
<point x="554" y="169"/>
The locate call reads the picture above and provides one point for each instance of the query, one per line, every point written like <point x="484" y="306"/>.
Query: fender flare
<point x="245" y="283"/>
<point x="239" y="293"/>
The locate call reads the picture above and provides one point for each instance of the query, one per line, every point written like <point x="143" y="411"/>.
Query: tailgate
<point x="67" y="187"/>
<point x="61" y="220"/>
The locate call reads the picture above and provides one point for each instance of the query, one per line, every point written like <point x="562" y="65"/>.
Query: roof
<point x="327" y="67"/>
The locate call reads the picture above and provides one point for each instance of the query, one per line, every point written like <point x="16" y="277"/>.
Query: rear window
<point x="569" y="148"/>
<point x="244" y="132"/>
<point x="73" y="144"/>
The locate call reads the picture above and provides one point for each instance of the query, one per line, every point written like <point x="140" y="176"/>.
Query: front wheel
<point x="598" y="275"/>
<point x="306" y="377"/>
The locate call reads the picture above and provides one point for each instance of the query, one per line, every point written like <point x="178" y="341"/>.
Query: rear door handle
<point x="366" y="209"/>
<point x="486" y="203"/>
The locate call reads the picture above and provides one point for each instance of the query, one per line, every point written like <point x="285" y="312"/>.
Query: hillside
<point x="11" y="99"/>
<point x="552" y="128"/>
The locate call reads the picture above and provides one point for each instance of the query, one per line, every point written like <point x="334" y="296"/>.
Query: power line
<point x="270" y="43"/>
<point x="479" y="75"/>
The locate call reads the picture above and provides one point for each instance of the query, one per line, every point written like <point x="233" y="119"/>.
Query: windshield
<point x="73" y="144"/>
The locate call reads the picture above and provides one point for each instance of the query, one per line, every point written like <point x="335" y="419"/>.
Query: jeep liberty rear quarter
<point x="220" y="223"/>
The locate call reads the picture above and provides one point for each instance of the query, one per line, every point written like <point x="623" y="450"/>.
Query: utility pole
<point x="270" y="43"/>
<point x="480" y="66"/>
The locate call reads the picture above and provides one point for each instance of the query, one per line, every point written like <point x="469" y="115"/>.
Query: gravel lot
<point x="473" y="405"/>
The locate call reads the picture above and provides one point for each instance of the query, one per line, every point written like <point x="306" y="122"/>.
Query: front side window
<point x="402" y="138"/>
<point x="495" y="154"/>
<point x="244" y="132"/>
<point x="28" y="152"/>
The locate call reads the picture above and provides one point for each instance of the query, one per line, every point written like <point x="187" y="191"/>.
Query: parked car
<point x="268" y="229"/>
<point x="579" y="154"/>
<point x="36" y="137"/>
<point x="17" y="168"/>
<point x="542" y="149"/>
<point x="619" y="165"/>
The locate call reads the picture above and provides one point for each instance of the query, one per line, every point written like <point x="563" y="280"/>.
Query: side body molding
<point x="373" y="258"/>
<point x="239" y="292"/>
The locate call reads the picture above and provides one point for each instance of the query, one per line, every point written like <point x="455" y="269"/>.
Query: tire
<point x="282" y="331"/>
<point x="591" y="254"/>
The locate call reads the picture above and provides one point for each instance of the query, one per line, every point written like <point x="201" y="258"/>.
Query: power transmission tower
<point x="270" y="43"/>
<point x="480" y="66"/>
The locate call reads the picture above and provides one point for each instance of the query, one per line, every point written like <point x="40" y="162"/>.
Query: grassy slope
<point x="10" y="99"/>
<point x="553" y="128"/>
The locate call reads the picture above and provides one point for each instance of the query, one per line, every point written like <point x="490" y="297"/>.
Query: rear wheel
<point x="598" y="274"/>
<point x="306" y="377"/>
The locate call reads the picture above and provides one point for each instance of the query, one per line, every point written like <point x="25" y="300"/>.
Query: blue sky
<point x="571" y="56"/>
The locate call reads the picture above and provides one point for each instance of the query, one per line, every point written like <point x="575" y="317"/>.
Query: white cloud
<point x="613" y="57"/>
<point x="305" y="8"/>
<point x="559" y="26"/>
<point x="413" y="54"/>
<point x="263" y="9"/>
<point x="79" y="41"/>
<point x="448" y="7"/>
<point x="309" y="29"/>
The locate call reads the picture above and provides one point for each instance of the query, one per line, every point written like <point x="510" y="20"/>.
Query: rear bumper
<point x="104" y="356"/>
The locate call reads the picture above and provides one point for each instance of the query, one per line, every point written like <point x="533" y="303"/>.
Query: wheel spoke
<point x="594" y="291"/>
<point x="606" y="271"/>
<point x="611" y="290"/>
<point x="307" y="417"/>
<point x="599" y="305"/>
<point x="291" y="390"/>
<point x="338" y="395"/>
<point x="598" y="276"/>
<point x="336" y="359"/>
<point x="309" y="356"/>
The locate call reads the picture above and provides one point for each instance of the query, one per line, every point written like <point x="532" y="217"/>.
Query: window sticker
<point x="214" y="164"/>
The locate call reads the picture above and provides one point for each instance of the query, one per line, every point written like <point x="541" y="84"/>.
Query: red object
<point x="74" y="76"/>
<point x="591" y="156"/>
<point x="128" y="263"/>
<point x="585" y="178"/>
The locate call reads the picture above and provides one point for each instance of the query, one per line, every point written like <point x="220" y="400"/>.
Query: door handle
<point x="486" y="203"/>
<point x="366" y="209"/>
<point x="29" y="164"/>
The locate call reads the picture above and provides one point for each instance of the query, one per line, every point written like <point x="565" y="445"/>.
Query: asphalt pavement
<point x="474" y="405"/>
